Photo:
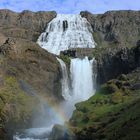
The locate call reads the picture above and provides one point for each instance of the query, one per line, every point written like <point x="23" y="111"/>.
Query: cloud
<point x="70" y="6"/>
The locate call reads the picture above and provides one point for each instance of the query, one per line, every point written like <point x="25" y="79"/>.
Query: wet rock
<point x="79" y="52"/>
<point x="135" y="86"/>
<point x="65" y="25"/>
<point x="61" y="133"/>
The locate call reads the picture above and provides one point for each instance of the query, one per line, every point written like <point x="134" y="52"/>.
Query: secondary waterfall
<point x="62" y="33"/>
<point x="65" y="80"/>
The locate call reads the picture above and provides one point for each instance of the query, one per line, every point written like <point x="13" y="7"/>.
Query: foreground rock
<point x="61" y="133"/>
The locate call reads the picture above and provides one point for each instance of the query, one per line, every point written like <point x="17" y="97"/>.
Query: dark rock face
<point x="65" y="25"/>
<point x="114" y="62"/>
<point x="79" y="52"/>
<point x="117" y="27"/>
<point x="26" y="25"/>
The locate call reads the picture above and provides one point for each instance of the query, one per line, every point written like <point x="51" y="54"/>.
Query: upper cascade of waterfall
<point x="67" y="31"/>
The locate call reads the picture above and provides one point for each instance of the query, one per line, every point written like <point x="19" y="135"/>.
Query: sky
<point x="70" y="6"/>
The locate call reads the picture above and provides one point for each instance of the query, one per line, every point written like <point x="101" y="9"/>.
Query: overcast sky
<point x="70" y="6"/>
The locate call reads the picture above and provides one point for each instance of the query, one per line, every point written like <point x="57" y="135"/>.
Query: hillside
<point x="28" y="71"/>
<point x="113" y="113"/>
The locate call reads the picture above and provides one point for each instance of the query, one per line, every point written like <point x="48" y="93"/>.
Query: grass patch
<point x="110" y="112"/>
<point x="65" y="58"/>
<point x="16" y="106"/>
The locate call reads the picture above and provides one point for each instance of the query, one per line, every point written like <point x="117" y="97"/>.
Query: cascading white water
<point x="82" y="83"/>
<point x="65" y="80"/>
<point x="65" y="32"/>
<point x="82" y="78"/>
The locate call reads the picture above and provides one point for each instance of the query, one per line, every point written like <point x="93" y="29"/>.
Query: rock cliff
<point x="121" y="28"/>
<point x="111" y="62"/>
<point x="26" y="25"/>
<point x="26" y="70"/>
<point x="116" y="33"/>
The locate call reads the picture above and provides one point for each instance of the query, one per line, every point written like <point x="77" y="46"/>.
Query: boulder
<point x="60" y="132"/>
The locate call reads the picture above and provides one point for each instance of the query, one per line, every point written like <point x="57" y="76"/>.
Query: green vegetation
<point x="99" y="50"/>
<point x="15" y="106"/>
<point x="65" y="58"/>
<point x="112" y="113"/>
<point x="97" y="38"/>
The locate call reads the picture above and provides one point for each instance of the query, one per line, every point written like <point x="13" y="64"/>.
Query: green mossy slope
<point x="16" y="107"/>
<point x="112" y="114"/>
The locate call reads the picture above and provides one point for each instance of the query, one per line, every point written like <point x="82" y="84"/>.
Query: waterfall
<point x="82" y="78"/>
<point x="62" y="33"/>
<point x="65" y="80"/>
<point x="65" y="32"/>
<point x="82" y="83"/>
<point x="81" y="72"/>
